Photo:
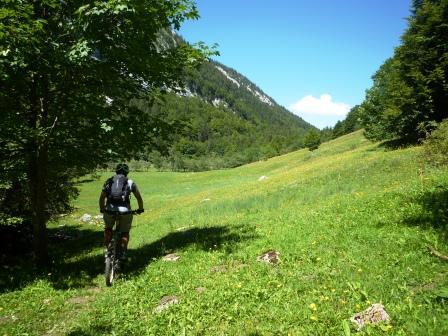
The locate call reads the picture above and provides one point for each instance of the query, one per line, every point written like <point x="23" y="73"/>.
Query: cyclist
<point x="115" y="204"/>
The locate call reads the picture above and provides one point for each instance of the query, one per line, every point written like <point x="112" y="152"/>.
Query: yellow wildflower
<point x="313" y="306"/>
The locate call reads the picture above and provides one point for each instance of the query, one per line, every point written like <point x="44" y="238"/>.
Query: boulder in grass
<point x="165" y="303"/>
<point x="86" y="218"/>
<point x="200" y="290"/>
<point x="262" y="178"/>
<point x="219" y="269"/>
<point x="171" y="257"/>
<point x="270" y="257"/>
<point x="372" y="315"/>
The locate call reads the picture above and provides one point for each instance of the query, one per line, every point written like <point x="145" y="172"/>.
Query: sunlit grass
<point x="350" y="221"/>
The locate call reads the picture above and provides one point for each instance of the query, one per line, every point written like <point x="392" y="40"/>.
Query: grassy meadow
<point x="351" y="221"/>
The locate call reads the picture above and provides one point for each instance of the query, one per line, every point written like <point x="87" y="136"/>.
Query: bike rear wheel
<point x="109" y="271"/>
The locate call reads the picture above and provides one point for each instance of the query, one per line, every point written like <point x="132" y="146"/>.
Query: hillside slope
<point x="350" y="220"/>
<point x="227" y="121"/>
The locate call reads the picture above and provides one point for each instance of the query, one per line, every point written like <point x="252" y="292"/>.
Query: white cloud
<point x="322" y="106"/>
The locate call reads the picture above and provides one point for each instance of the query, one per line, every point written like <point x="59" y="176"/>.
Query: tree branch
<point x="51" y="128"/>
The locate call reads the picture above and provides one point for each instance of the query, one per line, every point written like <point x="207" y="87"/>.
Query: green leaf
<point x="82" y="9"/>
<point x="442" y="293"/>
<point x="346" y="328"/>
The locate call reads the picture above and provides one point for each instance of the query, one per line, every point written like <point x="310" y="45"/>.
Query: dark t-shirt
<point x="126" y="205"/>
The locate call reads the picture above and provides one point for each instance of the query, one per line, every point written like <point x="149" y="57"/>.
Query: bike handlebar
<point x="132" y="212"/>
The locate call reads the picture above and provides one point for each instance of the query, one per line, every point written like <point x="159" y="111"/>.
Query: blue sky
<point x="315" y="57"/>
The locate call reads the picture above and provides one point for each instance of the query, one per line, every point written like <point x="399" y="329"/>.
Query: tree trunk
<point x="38" y="167"/>
<point x="38" y="190"/>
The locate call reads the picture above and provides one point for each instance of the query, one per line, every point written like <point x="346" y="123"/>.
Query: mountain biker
<point x="116" y="211"/>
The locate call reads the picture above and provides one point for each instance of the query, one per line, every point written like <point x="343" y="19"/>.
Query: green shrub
<point x="436" y="145"/>
<point x="312" y="140"/>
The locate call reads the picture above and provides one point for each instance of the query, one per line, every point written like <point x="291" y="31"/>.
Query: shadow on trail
<point x="207" y="238"/>
<point x="434" y="212"/>
<point x="92" y="331"/>
<point x="78" y="258"/>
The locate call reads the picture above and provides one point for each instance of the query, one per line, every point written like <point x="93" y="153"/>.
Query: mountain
<point x="227" y="121"/>
<point x="223" y="86"/>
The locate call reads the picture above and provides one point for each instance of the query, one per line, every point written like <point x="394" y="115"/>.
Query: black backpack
<point x="118" y="190"/>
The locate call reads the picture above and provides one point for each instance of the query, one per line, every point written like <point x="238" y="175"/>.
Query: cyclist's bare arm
<point x="101" y="201"/>
<point x="137" y="195"/>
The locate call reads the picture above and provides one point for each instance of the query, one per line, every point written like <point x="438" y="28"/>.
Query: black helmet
<point x="122" y="168"/>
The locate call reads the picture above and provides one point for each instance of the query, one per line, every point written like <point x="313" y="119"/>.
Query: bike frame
<point x="112" y="261"/>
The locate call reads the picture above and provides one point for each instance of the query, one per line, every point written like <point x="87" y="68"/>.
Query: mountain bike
<point x="113" y="264"/>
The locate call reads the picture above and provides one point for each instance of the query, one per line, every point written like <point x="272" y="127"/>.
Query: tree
<point x="386" y="101"/>
<point x="312" y="140"/>
<point x="352" y="122"/>
<point x="68" y="70"/>
<point x="417" y="4"/>
<point x="410" y="89"/>
<point x="435" y="147"/>
<point x="423" y="57"/>
<point x="339" y="129"/>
